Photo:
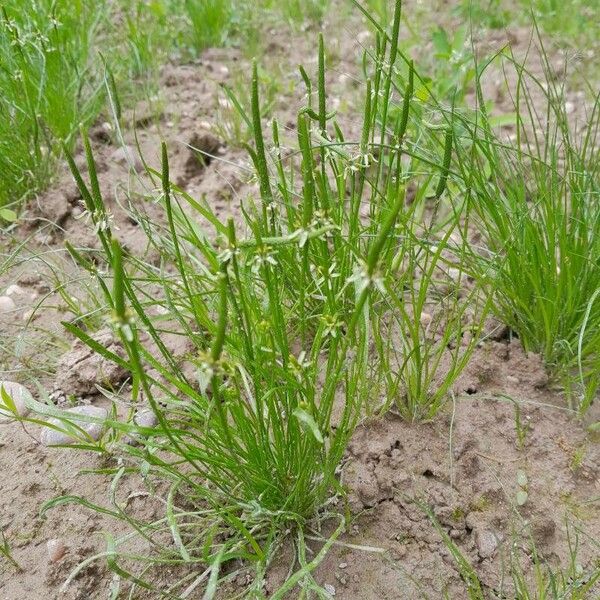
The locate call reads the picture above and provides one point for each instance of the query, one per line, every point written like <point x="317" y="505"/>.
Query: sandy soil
<point x="465" y="465"/>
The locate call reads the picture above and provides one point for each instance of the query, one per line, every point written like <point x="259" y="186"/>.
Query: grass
<point x="281" y="324"/>
<point x="53" y="75"/>
<point x="538" y="215"/>
<point x="45" y="49"/>
<point x="529" y="575"/>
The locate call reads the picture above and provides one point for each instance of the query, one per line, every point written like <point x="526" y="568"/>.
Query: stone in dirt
<point x="19" y="395"/>
<point x="7" y="304"/>
<point x="56" y="549"/>
<point x="145" y="417"/>
<point x="81" y="369"/>
<point x="52" y="437"/>
<point x="486" y="542"/>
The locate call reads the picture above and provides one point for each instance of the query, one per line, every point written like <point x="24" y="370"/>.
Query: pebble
<point x="329" y="589"/>
<point x="426" y="319"/>
<point x="19" y="395"/>
<point x="14" y="290"/>
<point x="128" y="156"/>
<point x="487" y="542"/>
<point x="52" y="437"/>
<point x="363" y="36"/>
<point x="7" y="304"/>
<point x="145" y="417"/>
<point x="56" y="549"/>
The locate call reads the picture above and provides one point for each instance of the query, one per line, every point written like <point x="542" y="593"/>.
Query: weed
<point x="5" y="551"/>
<point x="530" y="575"/>
<point x="47" y="90"/>
<point x="538" y="209"/>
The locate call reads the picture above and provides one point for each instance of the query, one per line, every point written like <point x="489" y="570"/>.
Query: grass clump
<point x="538" y="206"/>
<point x="47" y="91"/>
<point x="280" y="309"/>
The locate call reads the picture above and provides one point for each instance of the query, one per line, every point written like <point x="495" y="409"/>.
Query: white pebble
<point x="7" y="304"/>
<point x="52" y="437"/>
<point x="56" y="549"/>
<point x="145" y="417"/>
<point x="13" y="290"/>
<point x="329" y="589"/>
<point x="426" y="319"/>
<point x="19" y="394"/>
<point x="363" y="36"/>
<point x="224" y="70"/>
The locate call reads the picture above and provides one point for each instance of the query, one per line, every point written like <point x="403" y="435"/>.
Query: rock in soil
<point x="486" y="542"/>
<point x="81" y="369"/>
<point x="56" y="550"/>
<point x="19" y="394"/>
<point x="7" y="304"/>
<point x="52" y="437"/>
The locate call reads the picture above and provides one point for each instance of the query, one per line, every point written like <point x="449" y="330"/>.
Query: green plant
<point x="210" y="20"/>
<point x="5" y="551"/>
<point x="48" y="90"/>
<point x="280" y="324"/>
<point x="490" y="13"/>
<point x="531" y="576"/>
<point x="537" y="203"/>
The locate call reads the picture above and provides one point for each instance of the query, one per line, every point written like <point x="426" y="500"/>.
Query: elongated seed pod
<point x="307" y="168"/>
<point x="441" y="186"/>
<point x="366" y="119"/>
<point x="118" y="280"/>
<point x="261" y="158"/>
<point x="91" y="164"/>
<point x="83" y="189"/>
<point x="322" y="98"/>
<point x="219" y="340"/>
<point x="408" y="94"/>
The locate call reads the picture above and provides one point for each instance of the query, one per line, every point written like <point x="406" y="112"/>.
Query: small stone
<point x="512" y="379"/>
<point x="56" y="549"/>
<point x="14" y="290"/>
<point x="145" y="417"/>
<point x="329" y="589"/>
<point x="569" y="107"/>
<point x="343" y="565"/>
<point x="363" y="36"/>
<point x="52" y="437"/>
<point x="7" y="304"/>
<point x="426" y="319"/>
<point x="128" y="156"/>
<point x="19" y="394"/>
<point x="486" y="542"/>
<point x="224" y="70"/>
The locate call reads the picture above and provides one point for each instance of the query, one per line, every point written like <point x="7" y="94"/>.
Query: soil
<point x="467" y="466"/>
